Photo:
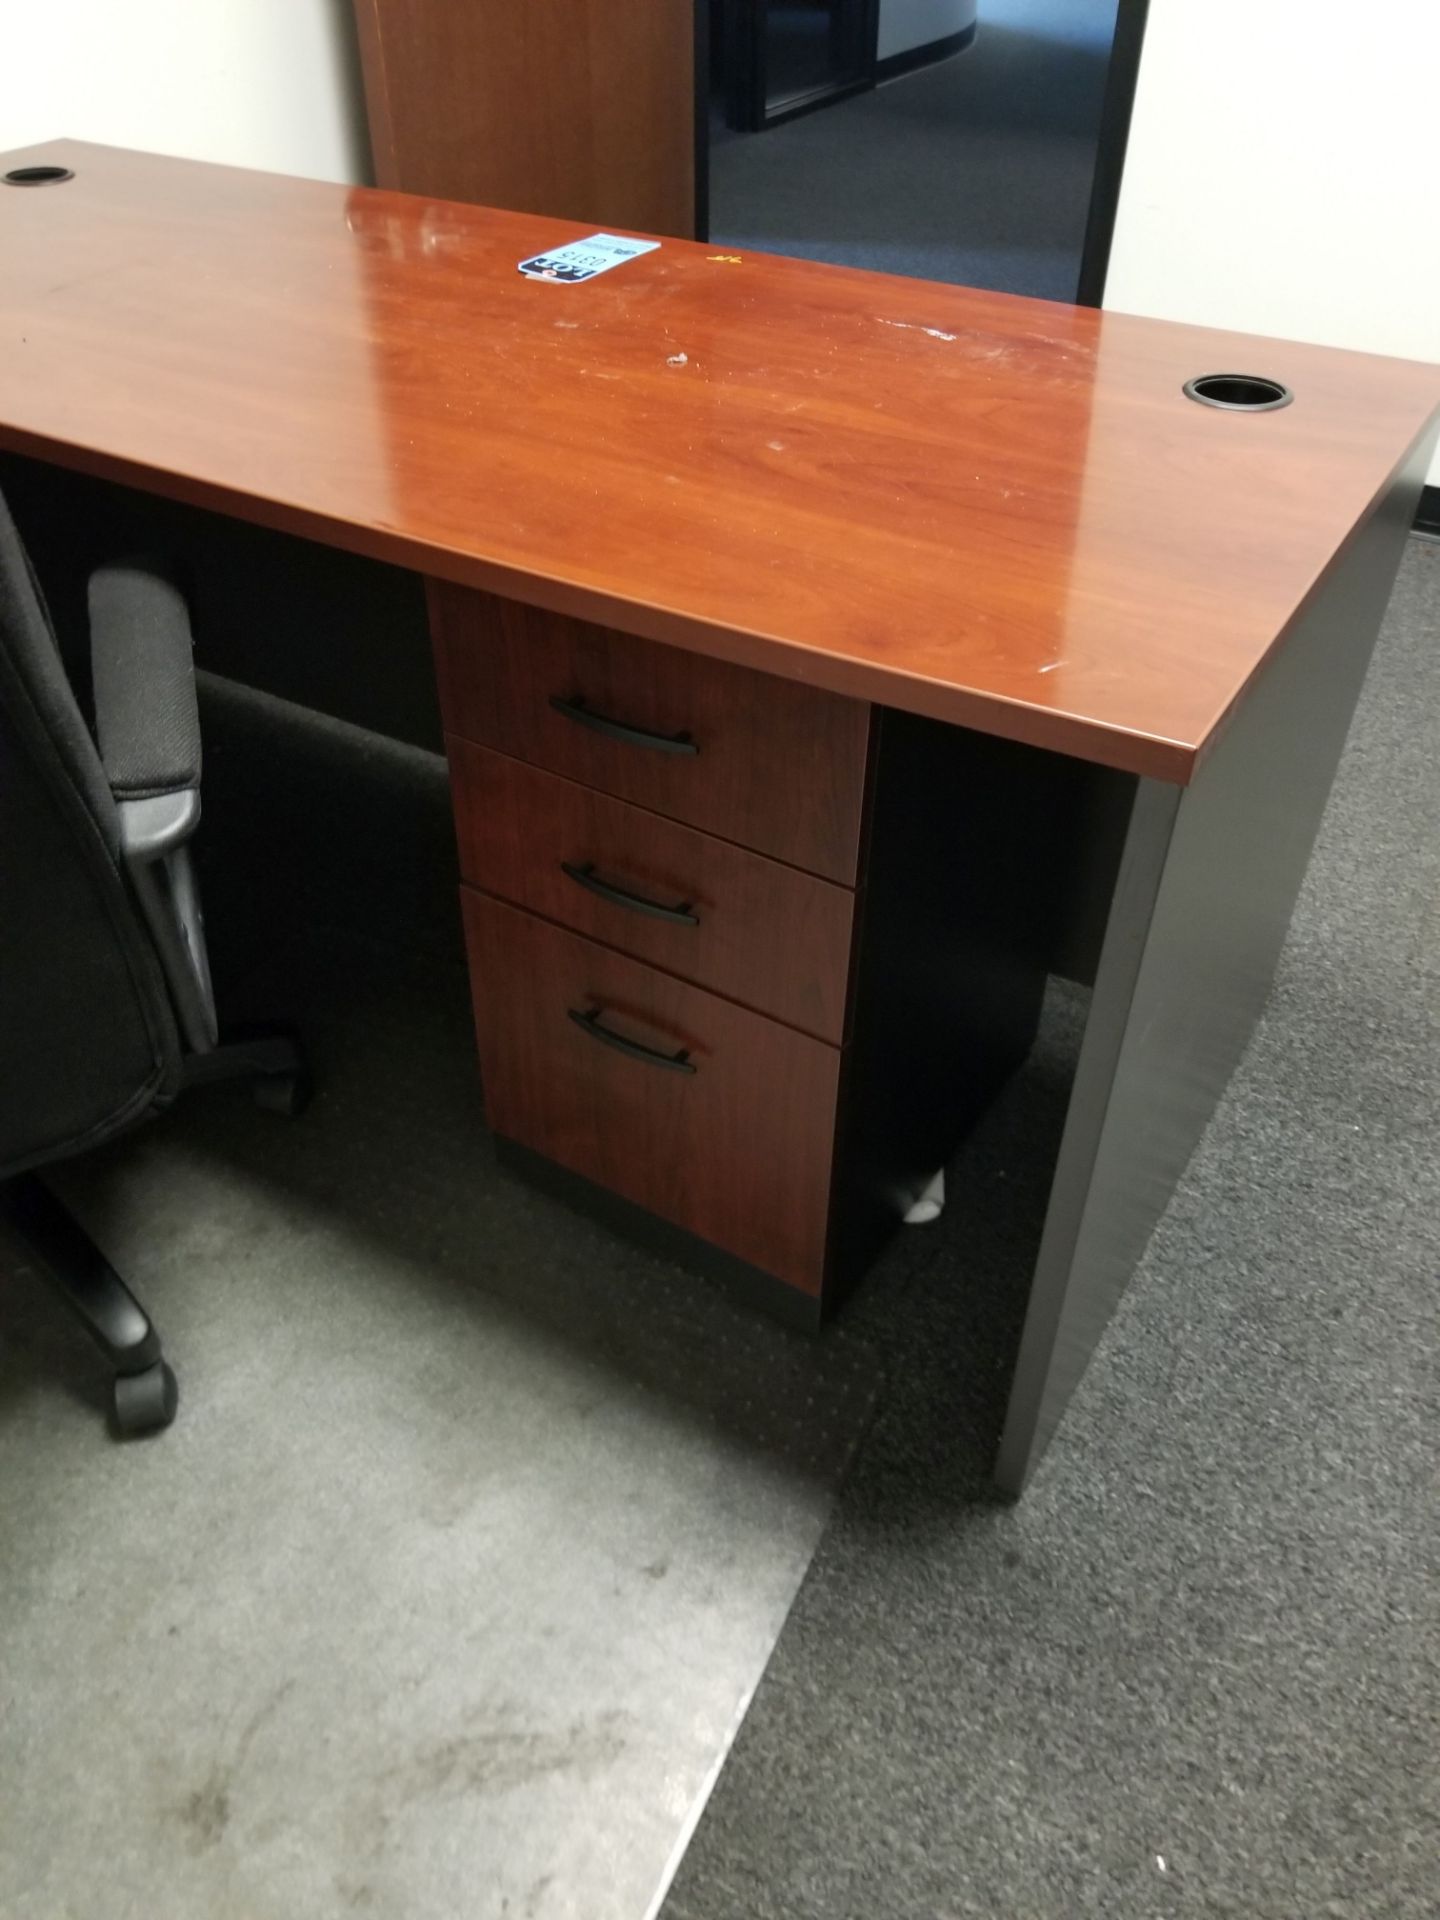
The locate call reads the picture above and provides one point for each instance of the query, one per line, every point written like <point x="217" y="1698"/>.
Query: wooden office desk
<point x="919" y="610"/>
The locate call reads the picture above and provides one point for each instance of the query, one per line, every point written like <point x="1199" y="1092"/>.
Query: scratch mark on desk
<point x="913" y="326"/>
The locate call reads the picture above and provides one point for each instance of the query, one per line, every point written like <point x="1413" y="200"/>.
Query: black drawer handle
<point x="672" y="1062"/>
<point x="586" y="876"/>
<point x="576" y="709"/>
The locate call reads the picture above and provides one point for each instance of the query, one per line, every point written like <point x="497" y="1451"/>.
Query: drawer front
<point x="758" y="760"/>
<point x="758" y="932"/>
<point x="734" y="1144"/>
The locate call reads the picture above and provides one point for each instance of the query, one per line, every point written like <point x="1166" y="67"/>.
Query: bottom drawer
<point x="717" y="1119"/>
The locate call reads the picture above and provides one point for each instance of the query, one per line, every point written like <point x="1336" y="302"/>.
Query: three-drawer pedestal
<point x="746" y="955"/>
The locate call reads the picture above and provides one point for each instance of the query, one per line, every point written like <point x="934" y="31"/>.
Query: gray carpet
<point x="1197" y="1669"/>
<point x="976" y="171"/>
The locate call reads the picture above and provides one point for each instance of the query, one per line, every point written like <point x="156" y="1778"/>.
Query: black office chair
<point x="106" y="1008"/>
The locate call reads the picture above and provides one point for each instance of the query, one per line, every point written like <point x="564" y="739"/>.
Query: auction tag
<point x="583" y="259"/>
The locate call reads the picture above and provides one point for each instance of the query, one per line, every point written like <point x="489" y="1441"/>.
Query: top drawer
<point x="759" y="760"/>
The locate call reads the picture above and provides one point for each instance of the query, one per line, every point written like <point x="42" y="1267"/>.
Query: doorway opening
<point x="971" y="141"/>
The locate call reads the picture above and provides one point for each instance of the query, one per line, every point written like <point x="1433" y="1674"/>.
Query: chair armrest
<point x="147" y="723"/>
<point x="142" y="664"/>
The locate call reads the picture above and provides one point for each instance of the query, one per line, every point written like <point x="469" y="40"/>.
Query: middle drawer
<point x="766" y="935"/>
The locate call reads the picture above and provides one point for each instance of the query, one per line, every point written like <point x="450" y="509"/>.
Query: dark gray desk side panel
<point x="1206" y="885"/>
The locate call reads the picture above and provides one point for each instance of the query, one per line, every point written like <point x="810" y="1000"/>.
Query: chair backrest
<point x="88" y="1043"/>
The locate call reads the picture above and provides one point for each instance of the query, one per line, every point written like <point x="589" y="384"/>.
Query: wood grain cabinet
<point x="710" y="1117"/>
<point x="766" y="935"/>
<point x="585" y="109"/>
<point x="746" y="956"/>
<point x="672" y="731"/>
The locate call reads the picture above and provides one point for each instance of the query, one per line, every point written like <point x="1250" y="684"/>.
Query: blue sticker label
<point x="583" y="259"/>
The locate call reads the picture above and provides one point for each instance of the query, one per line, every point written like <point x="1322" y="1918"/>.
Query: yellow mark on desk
<point x="725" y="259"/>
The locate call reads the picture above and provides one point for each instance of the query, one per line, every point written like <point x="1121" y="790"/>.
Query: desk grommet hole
<point x="36" y="176"/>
<point x="1238" y="392"/>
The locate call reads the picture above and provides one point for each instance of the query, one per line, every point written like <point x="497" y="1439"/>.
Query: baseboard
<point x="737" y="1276"/>
<point x="894" y="64"/>
<point x="1427" y="514"/>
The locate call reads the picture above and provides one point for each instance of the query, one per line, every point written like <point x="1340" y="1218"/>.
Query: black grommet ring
<point x="1238" y="392"/>
<point x="36" y="176"/>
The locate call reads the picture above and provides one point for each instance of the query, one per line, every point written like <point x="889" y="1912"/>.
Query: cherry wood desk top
<point x="1000" y="512"/>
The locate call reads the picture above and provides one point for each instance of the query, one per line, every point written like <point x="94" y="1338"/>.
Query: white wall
<point x="1280" y="177"/>
<point x="915" y="23"/>
<point x="259" y="83"/>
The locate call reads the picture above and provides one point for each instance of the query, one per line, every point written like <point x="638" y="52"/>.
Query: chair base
<point x="145" y="1392"/>
<point x="69" y="1261"/>
<point x="269" y="1057"/>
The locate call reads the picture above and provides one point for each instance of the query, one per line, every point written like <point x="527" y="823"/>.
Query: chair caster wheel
<point x="287" y="1093"/>
<point x="145" y="1402"/>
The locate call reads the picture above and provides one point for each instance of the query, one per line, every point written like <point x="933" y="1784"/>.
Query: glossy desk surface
<point x="997" y="511"/>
